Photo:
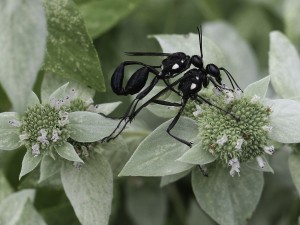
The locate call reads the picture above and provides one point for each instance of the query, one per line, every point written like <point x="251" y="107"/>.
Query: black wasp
<point x="189" y="85"/>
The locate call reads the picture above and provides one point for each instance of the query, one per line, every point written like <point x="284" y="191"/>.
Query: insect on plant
<point x="189" y="85"/>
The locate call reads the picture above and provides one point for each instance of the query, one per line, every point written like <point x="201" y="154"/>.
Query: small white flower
<point x="217" y="91"/>
<point x="222" y="140"/>
<point x="15" y="123"/>
<point x="260" y="161"/>
<point x="84" y="151"/>
<point x="238" y="93"/>
<point x="198" y="110"/>
<point x="55" y="135"/>
<point x="239" y="143"/>
<point x="64" y="118"/>
<point x="269" y="150"/>
<point x="89" y="102"/>
<point x="235" y="166"/>
<point x="72" y="93"/>
<point x="267" y="128"/>
<point x="43" y="138"/>
<point x="35" y="150"/>
<point x="229" y="96"/>
<point x="255" y="98"/>
<point x="77" y="165"/>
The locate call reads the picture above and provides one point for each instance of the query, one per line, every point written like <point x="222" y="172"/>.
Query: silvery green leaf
<point x="9" y="135"/>
<point x="189" y="44"/>
<point x="165" y="111"/>
<point x="32" y="100"/>
<point x="11" y="207"/>
<point x="29" y="163"/>
<point x="258" y="88"/>
<point x="67" y="151"/>
<point x="285" y="120"/>
<point x="197" y="155"/>
<point x="294" y="164"/>
<point x="116" y="152"/>
<point x="157" y="153"/>
<point x="30" y="216"/>
<point x="291" y="19"/>
<point x="51" y="83"/>
<point x="196" y="214"/>
<point x="70" y="51"/>
<point x="106" y="108"/>
<point x="284" y="66"/>
<point x="49" y="167"/>
<point x="59" y="93"/>
<point x="89" y="127"/>
<point x="5" y="189"/>
<point x="146" y="203"/>
<point x="89" y="189"/>
<point x="21" y="22"/>
<point x="100" y="16"/>
<point x="228" y="200"/>
<point x="165" y="180"/>
<point x="254" y="165"/>
<point x="240" y="59"/>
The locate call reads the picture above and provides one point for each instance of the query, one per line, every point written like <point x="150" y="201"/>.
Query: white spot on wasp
<point x="175" y="66"/>
<point x="193" y="86"/>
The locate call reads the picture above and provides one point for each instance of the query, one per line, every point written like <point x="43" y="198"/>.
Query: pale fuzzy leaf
<point x="67" y="151"/>
<point x="240" y="59"/>
<point x="291" y="19"/>
<point x="59" y="93"/>
<point x="9" y="135"/>
<point x="29" y="163"/>
<point x="165" y="111"/>
<point x="157" y="153"/>
<point x="254" y="165"/>
<point x="99" y="16"/>
<point x="284" y="66"/>
<point x="21" y="22"/>
<point x="89" y="127"/>
<point x="258" y="88"/>
<point x="197" y="155"/>
<point x="52" y="82"/>
<point x="30" y="216"/>
<point x="49" y="167"/>
<point x="223" y="197"/>
<point x="32" y="100"/>
<point x="285" y="120"/>
<point x="165" y="180"/>
<point x="11" y="207"/>
<point x="106" y="108"/>
<point x="189" y="44"/>
<point x="5" y="189"/>
<point x="70" y="51"/>
<point x="116" y="152"/>
<point x="196" y="214"/>
<point x="89" y="190"/>
<point x="146" y="205"/>
<point x="294" y="164"/>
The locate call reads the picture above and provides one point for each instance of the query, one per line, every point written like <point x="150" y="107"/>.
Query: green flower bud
<point x="236" y="134"/>
<point x="43" y="127"/>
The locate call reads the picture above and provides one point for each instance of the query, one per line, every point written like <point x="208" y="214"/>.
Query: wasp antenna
<point x="200" y="39"/>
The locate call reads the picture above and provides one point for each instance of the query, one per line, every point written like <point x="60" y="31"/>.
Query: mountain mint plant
<point x="62" y="134"/>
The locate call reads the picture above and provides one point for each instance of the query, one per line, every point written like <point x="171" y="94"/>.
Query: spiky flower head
<point x="235" y="131"/>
